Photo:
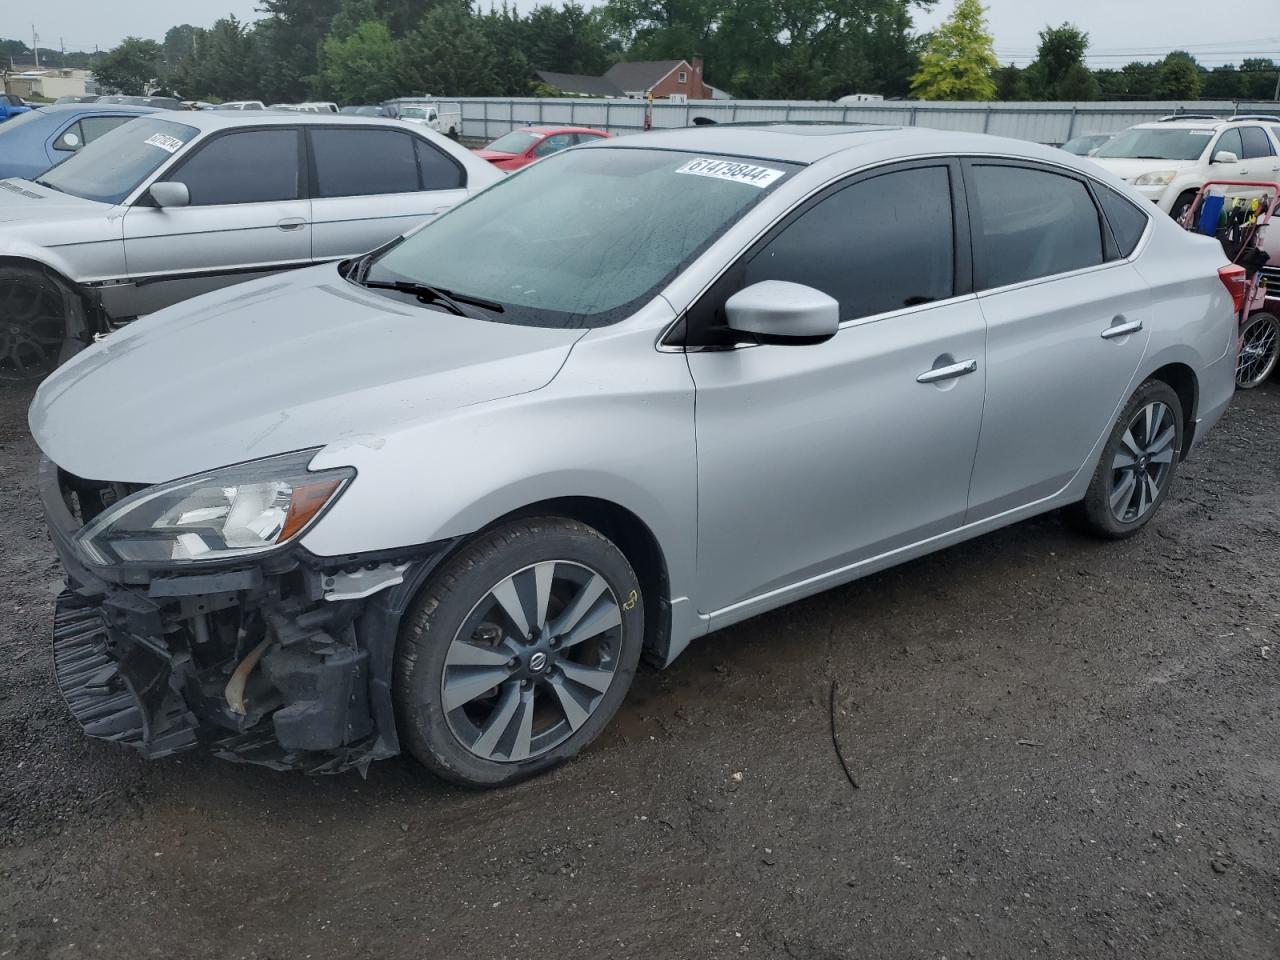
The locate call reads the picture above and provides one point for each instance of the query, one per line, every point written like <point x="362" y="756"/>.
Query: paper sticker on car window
<point x="748" y="173"/>
<point x="165" y="142"/>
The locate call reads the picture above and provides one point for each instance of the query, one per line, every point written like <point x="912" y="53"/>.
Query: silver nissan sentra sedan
<point x="443" y="497"/>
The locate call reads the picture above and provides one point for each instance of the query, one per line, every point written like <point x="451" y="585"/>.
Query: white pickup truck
<point x="427" y="112"/>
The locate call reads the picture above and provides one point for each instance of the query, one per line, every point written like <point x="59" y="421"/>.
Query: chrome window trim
<point x="662" y="346"/>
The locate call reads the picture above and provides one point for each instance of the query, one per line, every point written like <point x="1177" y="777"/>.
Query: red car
<point x="519" y="148"/>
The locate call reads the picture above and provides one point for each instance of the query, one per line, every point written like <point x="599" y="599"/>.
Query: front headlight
<point x="233" y="512"/>
<point x="1161" y="178"/>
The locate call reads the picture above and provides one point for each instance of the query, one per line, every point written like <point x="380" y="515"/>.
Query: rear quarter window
<point x="1127" y="222"/>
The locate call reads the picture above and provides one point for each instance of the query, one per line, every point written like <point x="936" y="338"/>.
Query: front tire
<point x="1137" y="467"/>
<point x="518" y="652"/>
<point x="36" y="312"/>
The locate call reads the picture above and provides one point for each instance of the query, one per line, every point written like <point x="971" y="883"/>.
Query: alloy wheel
<point x="1143" y="461"/>
<point x="32" y="327"/>
<point x="1259" y="350"/>
<point x="532" y="661"/>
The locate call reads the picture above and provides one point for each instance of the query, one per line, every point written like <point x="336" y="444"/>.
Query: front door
<point x="1068" y="322"/>
<point x="248" y="215"/>
<point x="814" y="458"/>
<point x="373" y="184"/>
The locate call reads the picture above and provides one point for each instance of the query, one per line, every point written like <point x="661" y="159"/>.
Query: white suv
<point x="1170" y="160"/>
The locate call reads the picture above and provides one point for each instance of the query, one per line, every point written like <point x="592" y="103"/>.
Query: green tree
<point x="1258" y="79"/>
<point x="225" y="64"/>
<point x="505" y="29"/>
<point x="131" y="67"/>
<point x="447" y="55"/>
<point x="1078" y="83"/>
<point x="1053" y="75"/>
<point x="958" y="61"/>
<point x="289" y="39"/>
<point x="1178" y="78"/>
<point x="361" y="67"/>
<point x="1010" y="83"/>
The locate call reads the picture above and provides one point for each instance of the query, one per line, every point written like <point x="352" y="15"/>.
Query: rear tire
<point x="517" y="652"/>
<point x="1137" y="467"/>
<point x="1259" y="350"/>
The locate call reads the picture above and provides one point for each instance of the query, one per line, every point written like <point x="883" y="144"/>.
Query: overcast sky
<point x="1119" y="30"/>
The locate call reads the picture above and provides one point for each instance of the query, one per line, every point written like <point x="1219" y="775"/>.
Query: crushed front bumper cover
<point x="284" y="662"/>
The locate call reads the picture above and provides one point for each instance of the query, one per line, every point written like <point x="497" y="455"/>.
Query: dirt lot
<point x="1064" y="748"/>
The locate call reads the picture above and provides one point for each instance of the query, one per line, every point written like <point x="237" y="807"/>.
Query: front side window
<point x="1230" y="142"/>
<point x="882" y="244"/>
<point x="356" y="162"/>
<point x="249" y="166"/>
<point x="1030" y="224"/>
<point x="1141" y="143"/>
<point x="553" y="144"/>
<point x="111" y="167"/>
<point x="1256" y="143"/>
<point x="626" y="221"/>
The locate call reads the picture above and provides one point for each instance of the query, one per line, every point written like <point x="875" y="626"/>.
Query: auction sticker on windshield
<point x="747" y="173"/>
<point x="165" y="142"/>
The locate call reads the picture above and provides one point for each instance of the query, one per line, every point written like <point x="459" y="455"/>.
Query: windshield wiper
<point x="429" y="294"/>
<point x="46" y="183"/>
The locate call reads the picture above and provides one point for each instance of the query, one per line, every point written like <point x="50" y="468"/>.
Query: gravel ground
<point x="1063" y="749"/>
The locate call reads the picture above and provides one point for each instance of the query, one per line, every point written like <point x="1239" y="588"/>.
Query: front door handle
<point x="1119" y="328"/>
<point x="949" y="372"/>
<point x="292" y="223"/>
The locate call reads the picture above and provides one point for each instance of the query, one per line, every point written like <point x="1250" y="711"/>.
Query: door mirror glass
<point x="170" y="193"/>
<point x="1225" y="156"/>
<point x="778" y="311"/>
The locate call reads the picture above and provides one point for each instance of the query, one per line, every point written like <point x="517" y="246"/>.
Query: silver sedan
<point x="442" y="498"/>
<point x="172" y="205"/>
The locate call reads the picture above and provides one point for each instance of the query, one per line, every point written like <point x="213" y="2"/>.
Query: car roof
<point x="206" y="120"/>
<point x="807" y="143"/>
<point x="95" y="107"/>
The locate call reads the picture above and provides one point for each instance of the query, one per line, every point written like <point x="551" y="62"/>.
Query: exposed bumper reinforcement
<point x="106" y="701"/>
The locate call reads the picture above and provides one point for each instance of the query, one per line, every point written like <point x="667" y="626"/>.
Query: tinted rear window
<point x="353" y="163"/>
<point x="1256" y="143"/>
<point x="439" y="172"/>
<point x="1030" y="224"/>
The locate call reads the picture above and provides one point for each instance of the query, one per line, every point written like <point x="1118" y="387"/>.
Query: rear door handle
<point x="1119" y="328"/>
<point x="292" y="223"/>
<point x="949" y="372"/>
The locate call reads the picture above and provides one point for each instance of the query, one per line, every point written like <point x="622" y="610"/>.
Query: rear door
<point x="1259" y="156"/>
<point x="1068" y="319"/>
<point x="371" y="184"/>
<point x="248" y="215"/>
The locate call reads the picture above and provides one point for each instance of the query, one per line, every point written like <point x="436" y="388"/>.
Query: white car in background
<point x="1168" y="161"/>
<point x="173" y="205"/>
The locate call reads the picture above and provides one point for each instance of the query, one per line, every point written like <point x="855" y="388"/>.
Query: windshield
<point x="583" y="238"/>
<point x="518" y="141"/>
<point x="109" y="168"/>
<point x="1144" y="143"/>
<point x="415" y="113"/>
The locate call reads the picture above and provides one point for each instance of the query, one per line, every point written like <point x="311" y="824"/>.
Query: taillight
<point x="1235" y="279"/>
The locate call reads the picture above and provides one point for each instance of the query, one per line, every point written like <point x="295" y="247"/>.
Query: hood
<point x="1130" y="169"/>
<point x="274" y="365"/>
<point x="23" y="200"/>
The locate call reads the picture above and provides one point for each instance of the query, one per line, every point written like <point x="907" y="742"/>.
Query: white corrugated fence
<point x="489" y="117"/>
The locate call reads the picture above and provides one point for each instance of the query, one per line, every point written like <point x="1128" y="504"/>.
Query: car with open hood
<point x="172" y="205"/>
<point x="443" y="498"/>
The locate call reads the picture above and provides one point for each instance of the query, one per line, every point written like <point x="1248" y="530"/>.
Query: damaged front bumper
<point x="285" y="661"/>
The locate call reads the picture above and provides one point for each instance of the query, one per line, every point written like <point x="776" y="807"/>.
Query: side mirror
<point x="170" y="193"/>
<point x="776" y="311"/>
<point x="1225" y="156"/>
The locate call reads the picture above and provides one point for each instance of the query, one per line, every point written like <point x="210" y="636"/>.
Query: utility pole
<point x="35" y="44"/>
